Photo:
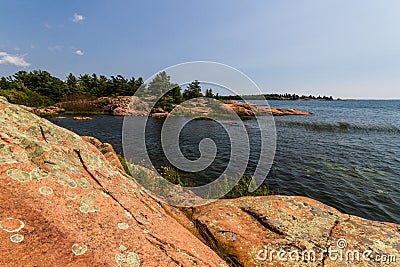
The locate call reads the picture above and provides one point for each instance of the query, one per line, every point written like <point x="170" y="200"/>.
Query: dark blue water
<point x="346" y="155"/>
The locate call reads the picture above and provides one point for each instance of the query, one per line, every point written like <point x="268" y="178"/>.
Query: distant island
<point x="278" y="97"/>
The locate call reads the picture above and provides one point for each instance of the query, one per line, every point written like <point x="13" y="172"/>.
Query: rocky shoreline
<point x="66" y="201"/>
<point x="134" y="106"/>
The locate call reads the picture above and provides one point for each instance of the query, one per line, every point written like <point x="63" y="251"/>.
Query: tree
<point x="4" y="83"/>
<point x="193" y="90"/>
<point x="72" y="84"/>
<point x="133" y="85"/>
<point x="170" y="93"/>
<point x="209" y="93"/>
<point x="160" y="84"/>
<point x="40" y="88"/>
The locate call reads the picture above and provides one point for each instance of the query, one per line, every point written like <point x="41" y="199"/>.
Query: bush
<point x="27" y="98"/>
<point x="14" y="96"/>
<point x="240" y="189"/>
<point x="170" y="174"/>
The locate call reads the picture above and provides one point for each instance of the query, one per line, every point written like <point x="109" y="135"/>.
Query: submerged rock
<point x="82" y="118"/>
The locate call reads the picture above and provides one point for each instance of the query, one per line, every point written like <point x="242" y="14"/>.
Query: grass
<point x="124" y="164"/>
<point x="240" y="187"/>
<point x="171" y="175"/>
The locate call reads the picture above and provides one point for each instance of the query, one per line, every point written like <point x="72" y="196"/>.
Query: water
<point x="346" y="155"/>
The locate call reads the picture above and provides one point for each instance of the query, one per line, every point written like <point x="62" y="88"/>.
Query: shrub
<point x="27" y="98"/>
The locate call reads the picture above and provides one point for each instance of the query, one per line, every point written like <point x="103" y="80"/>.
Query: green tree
<point x="160" y="84"/>
<point x="193" y="90"/>
<point x="72" y="84"/>
<point x="170" y="92"/>
<point x="209" y="93"/>
<point x="39" y="88"/>
<point x="133" y="85"/>
<point x="4" y="83"/>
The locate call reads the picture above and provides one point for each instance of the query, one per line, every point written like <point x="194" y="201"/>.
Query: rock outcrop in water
<point x="118" y="106"/>
<point x="65" y="201"/>
<point x="135" y="106"/>
<point x="249" y="110"/>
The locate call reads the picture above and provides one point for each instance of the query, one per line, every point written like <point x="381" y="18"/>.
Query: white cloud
<point x="16" y="60"/>
<point x="79" y="52"/>
<point x="56" y="48"/>
<point x="78" y="18"/>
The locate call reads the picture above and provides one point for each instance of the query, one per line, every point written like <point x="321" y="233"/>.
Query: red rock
<point x="241" y="229"/>
<point x="249" y="110"/>
<point x="106" y="149"/>
<point x="118" y="106"/>
<point x="159" y="115"/>
<point x="81" y="118"/>
<point x="63" y="203"/>
<point x="136" y="106"/>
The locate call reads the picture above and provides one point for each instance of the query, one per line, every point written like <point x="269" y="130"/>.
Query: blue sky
<point x="348" y="49"/>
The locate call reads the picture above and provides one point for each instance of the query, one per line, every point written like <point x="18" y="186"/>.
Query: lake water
<point x="346" y="155"/>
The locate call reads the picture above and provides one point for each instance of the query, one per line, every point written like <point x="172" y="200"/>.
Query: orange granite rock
<point x="252" y="231"/>
<point x="82" y="118"/>
<point x="106" y="149"/>
<point x="249" y="110"/>
<point x="62" y="203"/>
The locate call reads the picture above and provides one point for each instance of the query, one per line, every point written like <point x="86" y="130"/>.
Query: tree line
<point x="39" y="88"/>
<point x="277" y="97"/>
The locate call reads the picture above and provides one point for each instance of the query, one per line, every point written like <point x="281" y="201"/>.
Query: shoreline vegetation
<point x="93" y="94"/>
<point x="240" y="188"/>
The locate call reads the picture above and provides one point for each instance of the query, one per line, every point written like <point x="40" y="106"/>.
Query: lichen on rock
<point x="130" y="258"/>
<point x="11" y="225"/>
<point x="79" y="250"/>
<point x="87" y="202"/>
<point x="46" y="190"/>
<point x="123" y="226"/>
<point x="82" y="182"/>
<point x="19" y="175"/>
<point x="17" y="238"/>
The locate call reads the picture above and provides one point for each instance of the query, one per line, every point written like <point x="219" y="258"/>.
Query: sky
<point x="347" y="49"/>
